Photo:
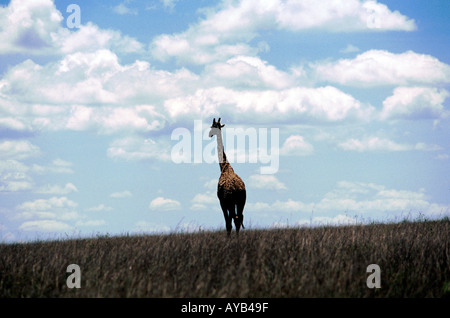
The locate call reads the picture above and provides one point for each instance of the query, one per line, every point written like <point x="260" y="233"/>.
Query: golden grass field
<point x="414" y="258"/>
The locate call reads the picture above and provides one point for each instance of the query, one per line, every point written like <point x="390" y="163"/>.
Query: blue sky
<point x="357" y="91"/>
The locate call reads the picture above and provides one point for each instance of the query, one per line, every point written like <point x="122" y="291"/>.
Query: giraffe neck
<point x="223" y="162"/>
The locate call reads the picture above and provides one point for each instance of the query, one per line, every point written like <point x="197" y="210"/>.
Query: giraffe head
<point x="215" y="127"/>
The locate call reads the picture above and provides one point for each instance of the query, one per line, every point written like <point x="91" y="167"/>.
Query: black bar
<point x="213" y="307"/>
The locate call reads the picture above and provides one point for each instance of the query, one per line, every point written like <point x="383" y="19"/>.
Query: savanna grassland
<point x="414" y="258"/>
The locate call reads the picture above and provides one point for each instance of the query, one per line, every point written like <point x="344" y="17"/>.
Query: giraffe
<point x="230" y="189"/>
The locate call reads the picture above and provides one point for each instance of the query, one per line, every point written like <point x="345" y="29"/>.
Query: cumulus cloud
<point x="164" y="204"/>
<point x="14" y="176"/>
<point x="169" y="3"/>
<point x="373" y="144"/>
<point x="267" y="182"/>
<point x="56" y="166"/>
<point x="89" y="91"/>
<point x="350" y="48"/>
<point x="57" y="189"/>
<point x="34" y="27"/>
<point x="247" y="72"/>
<point x="59" y="208"/>
<point x="18" y="149"/>
<point x="17" y="176"/>
<point x="90" y="38"/>
<point x="378" y="67"/>
<point x="227" y="28"/>
<point x="99" y="208"/>
<point x="137" y="148"/>
<point x="338" y="220"/>
<point x="359" y="198"/>
<point x="202" y="200"/>
<point x="55" y="214"/>
<point x="415" y="103"/>
<point x="28" y="26"/>
<point x="302" y="104"/>
<point x="383" y="145"/>
<point x="296" y="146"/>
<point x="122" y="9"/>
<point x="45" y="226"/>
<point x="364" y="197"/>
<point x="121" y="195"/>
<point x="149" y="227"/>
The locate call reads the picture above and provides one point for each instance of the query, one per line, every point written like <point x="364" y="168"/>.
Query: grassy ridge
<point x="414" y="258"/>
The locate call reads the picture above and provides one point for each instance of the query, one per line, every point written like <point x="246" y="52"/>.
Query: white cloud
<point x="165" y="46"/>
<point x="121" y="195"/>
<point x="295" y="145"/>
<point x="267" y="182"/>
<point x="211" y="184"/>
<point x="14" y="176"/>
<point x="61" y="163"/>
<point x="45" y="226"/>
<point x="247" y="72"/>
<point x="373" y="144"/>
<point x="55" y="208"/>
<point x="90" y="38"/>
<point x="163" y="204"/>
<point x="27" y="26"/>
<point x="18" y="149"/>
<point x="205" y="198"/>
<point x="415" y="103"/>
<point x="227" y="28"/>
<point x="137" y="148"/>
<point x="359" y="199"/>
<point x="337" y="220"/>
<point x="100" y="207"/>
<point x="201" y="201"/>
<point x="149" y="227"/>
<point x="383" y="144"/>
<point x="443" y="156"/>
<point x="89" y="91"/>
<point x="17" y="176"/>
<point x="350" y="49"/>
<point x="34" y="27"/>
<point x="47" y="204"/>
<point x="342" y="16"/>
<point x="299" y="104"/>
<point x="56" y="166"/>
<point x="122" y="9"/>
<point x="140" y="118"/>
<point x="378" y="67"/>
<point x="57" y="190"/>
<point x="169" y="3"/>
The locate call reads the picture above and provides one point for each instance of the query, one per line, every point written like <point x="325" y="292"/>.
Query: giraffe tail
<point x="242" y="222"/>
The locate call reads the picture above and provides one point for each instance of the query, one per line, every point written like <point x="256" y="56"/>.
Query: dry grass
<point x="317" y="262"/>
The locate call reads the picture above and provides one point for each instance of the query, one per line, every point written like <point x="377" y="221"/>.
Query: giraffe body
<point x="230" y="188"/>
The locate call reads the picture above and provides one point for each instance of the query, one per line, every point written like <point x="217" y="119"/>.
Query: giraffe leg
<point x="239" y="220"/>
<point x="226" y="216"/>
<point x="236" y="217"/>
<point x="232" y="213"/>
